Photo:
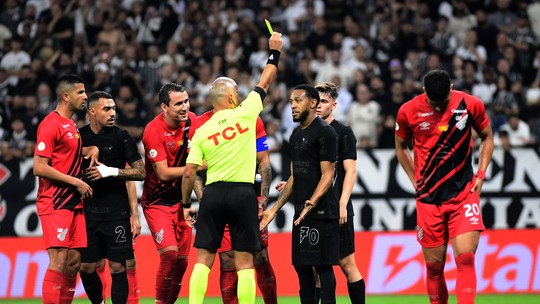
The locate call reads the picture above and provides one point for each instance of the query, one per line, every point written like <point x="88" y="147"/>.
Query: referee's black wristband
<point x="186" y="205"/>
<point x="273" y="58"/>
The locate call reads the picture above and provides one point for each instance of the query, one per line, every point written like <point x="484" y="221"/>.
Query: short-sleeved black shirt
<point x="346" y="150"/>
<point x="116" y="149"/>
<point x="310" y="146"/>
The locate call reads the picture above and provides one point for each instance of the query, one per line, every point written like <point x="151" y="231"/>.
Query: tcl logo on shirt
<point x="227" y="133"/>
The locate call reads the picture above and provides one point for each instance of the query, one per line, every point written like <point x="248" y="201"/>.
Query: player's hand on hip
<point x="478" y="183"/>
<point x="275" y="42"/>
<point x="267" y="217"/>
<point x="84" y="189"/>
<point x="190" y="216"/>
<point x="135" y="226"/>
<point x="342" y="215"/>
<point x="281" y="185"/>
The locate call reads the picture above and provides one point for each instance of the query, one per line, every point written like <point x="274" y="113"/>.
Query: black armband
<point x="184" y="205"/>
<point x="273" y="58"/>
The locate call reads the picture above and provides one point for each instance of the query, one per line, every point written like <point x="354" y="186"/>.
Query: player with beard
<point x="112" y="219"/>
<point x="58" y="164"/>
<point x="316" y="217"/>
<point x="165" y="141"/>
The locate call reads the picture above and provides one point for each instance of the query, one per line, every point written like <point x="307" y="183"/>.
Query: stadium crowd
<point x="376" y="50"/>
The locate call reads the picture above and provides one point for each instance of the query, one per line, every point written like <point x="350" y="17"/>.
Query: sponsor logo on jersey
<point x="41" y="146"/>
<point x="424" y="125"/>
<point x="152" y="153"/>
<point x="425" y="114"/>
<point x="443" y="128"/>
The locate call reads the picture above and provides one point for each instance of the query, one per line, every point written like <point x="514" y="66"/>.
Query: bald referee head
<point x="224" y="94"/>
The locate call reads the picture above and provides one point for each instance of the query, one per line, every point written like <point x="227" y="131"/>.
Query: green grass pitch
<point x="387" y="299"/>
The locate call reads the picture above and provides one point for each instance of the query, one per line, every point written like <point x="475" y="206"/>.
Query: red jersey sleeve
<point x="403" y="129"/>
<point x="47" y="135"/>
<point x="154" y="144"/>
<point x="479" y="115"/>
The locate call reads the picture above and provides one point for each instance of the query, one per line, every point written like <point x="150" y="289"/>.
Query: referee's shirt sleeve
<point x="252" y="105"/>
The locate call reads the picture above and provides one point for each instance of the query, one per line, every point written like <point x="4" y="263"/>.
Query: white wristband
<point x="107" y="171"/>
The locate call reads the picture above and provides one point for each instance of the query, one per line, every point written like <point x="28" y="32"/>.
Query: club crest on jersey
<point x="462" y="121"/>
<point x="62" y="232"/>
<point x="159" y="236"/>
<point x="443" y="128"/>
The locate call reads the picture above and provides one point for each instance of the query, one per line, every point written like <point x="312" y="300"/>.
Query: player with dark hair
<point x="57" y="163"/>
<point x="227" y="143"/>
<point x="439" y="123"/>
<point x="346" y="177"/>
<point x="112" y="219"/>
<point x="165" y="142"/>
<point x="316" y="217"/>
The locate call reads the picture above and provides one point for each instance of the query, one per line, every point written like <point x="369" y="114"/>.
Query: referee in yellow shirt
<point x="227" y="143"/>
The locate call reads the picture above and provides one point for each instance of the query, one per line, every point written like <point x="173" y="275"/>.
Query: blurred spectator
<point x="504" y="103"/>
<point x="503" y="18"/>
<point x="486" y="88"/>
<point x="11" y="15"/>
<point x="15" y="143"/>
<point x="533" y="12"/>
<point x="519" y="132"/>
<point x="461" y="21"/>
<point x="172" y="56"/>
<point x="389" y="114"/>
<point x="443" y="42"/>
<point x="111" y="35"/>
<point x="485" y="31"/>
<point x="13" y="62"/>
<point x="61" y="28"/>
<point x="273" y="136"/>
<point x="130" y="119"/>
<point x="502" y="140"/>
<point x="364" y="116"/>
<point x="471" y="50"/>
<point x="523" y="40"/>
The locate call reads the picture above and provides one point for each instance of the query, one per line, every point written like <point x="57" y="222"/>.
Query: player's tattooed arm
<point x="136" y="172"/>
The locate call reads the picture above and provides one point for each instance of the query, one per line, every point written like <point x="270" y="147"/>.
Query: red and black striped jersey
<point x="162" y="142"/>
<point x="58" y="140"/>
<point x="442" y="144"/>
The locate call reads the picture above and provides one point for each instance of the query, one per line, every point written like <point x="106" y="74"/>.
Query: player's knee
<point x="261" y="258"/>
<point x="465" y="261"/>
<point x="131" y="264"/>
<point x="434" y="269"/>
<point x="87" y="268"/>
<point x="226" y="260"/>
<point x="117" y="267"/>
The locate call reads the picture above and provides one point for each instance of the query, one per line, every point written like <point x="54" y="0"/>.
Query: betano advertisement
<point x="507" y="261"/>
<point x="387" y="252"/>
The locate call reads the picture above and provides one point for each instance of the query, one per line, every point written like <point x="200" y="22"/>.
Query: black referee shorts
<point x="108" y="239"/>
<point x="346" y="238"/>
<point x="315" y="242"/>
<point x="228" y="203"/>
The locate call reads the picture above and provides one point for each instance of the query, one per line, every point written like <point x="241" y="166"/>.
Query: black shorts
<point x="315" y="243"/>
<point x="234" y="204"/>
<point x="346" y="238"/>
<point x="109" y="239"/>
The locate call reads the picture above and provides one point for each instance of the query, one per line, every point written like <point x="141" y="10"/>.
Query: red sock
<point x="51" y="287"/>
<point x="104" y="280"/>
<point x="176" y="283"/>
<point x="68" y="289"/>
<point x="164" y="276"/>
<point x="266" y="280"/>
<point x="228" y="281"/>
<point x="436" y="284"/>
<point x="466" y="278"/>
<point x="133" y="282"/>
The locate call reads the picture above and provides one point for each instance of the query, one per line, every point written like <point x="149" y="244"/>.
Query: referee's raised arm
<point x="275" y="44"/>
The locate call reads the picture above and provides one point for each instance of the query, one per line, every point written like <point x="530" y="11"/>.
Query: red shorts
<point x="226" y="244"/>
<point x="436" y="224"/>
<point x="64" y="228"/>
<point x="166" y="229"/>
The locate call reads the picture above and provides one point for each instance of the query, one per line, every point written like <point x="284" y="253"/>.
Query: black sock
<point x="317" y="294"/>
<point x="306" y="279"/>
<point x="119" y="287"/>
<point x="328" y="284"/>
<point x="357" y="292"/>
<point x="93" y="287"/>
